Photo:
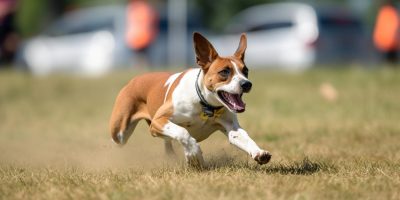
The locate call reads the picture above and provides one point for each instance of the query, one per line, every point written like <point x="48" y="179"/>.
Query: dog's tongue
<point x="236" y="101"/>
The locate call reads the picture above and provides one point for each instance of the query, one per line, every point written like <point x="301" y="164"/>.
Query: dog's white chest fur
<point x="187" y="109"/>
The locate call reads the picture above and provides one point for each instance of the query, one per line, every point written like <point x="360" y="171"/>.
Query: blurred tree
<point x="34" y="15"/>
<point x="29" y="15"/>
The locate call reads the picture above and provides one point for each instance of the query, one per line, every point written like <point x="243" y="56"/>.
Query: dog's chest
<point x="198" y="127"/>
<point x="188" y="111"/>
<point x="189" y="115"/>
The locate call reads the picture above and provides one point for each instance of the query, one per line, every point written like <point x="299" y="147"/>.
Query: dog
<point x="189" y="106"/>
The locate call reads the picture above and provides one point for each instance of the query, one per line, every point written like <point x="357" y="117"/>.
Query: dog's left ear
<point x="205" y="52"/>
<point x="242" y="47"/>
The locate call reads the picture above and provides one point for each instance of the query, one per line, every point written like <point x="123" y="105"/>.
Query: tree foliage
<point x="34" y="15"/>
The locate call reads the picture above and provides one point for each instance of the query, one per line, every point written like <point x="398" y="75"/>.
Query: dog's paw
<point x="195" y="162"/>
<point x="195" y="159"/>
<point x="263" y="157"/>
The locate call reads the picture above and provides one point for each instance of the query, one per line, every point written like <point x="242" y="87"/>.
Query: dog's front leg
<point x="163" y="127"/>
<point x="239" y="137"/>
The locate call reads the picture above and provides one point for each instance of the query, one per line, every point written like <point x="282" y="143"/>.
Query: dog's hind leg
<point x="122" y="127"/>
<point x="122" y="130"/>
<point x="168" y="148"/>
<point x="124" y="134"/>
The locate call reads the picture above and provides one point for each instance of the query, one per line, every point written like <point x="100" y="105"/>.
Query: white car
<point x="82" y="42"/>
<point x="296" y="36"/>
<point x="279" y="35"/>
<point x="91" y="41"/>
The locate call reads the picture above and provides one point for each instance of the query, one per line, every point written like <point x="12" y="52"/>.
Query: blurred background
<point x="94" y="37"/>
<point x="343" y="101"/>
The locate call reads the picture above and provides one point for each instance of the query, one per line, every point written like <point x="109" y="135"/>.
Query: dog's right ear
<point x="205" y="52"/>
<point x="242" y="47"/>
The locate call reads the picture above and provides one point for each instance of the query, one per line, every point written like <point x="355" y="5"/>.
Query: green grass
<point x="54" y="141"/>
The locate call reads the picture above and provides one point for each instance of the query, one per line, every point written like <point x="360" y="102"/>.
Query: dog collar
<point x="208" y="110"/>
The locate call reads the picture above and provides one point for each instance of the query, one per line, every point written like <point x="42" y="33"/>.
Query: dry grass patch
<point x="54" y="142"/>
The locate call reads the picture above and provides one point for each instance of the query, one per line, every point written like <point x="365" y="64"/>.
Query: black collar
<point x="208" y="109"/>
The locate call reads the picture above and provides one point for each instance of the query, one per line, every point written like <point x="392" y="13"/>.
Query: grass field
<point x="54" y="141"/>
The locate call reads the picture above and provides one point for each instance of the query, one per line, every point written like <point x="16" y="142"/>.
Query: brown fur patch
<point x="175" y="84"/>
<point x="139" y="99"/>
<point x="142" y="98"/>
<point x="213" y="80"/>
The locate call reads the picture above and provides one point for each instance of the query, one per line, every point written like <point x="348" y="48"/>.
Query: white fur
<point x="187" y="108"/>
<point x="120" y="137"/>
<point x="169" y="83"/>
<point x="238" y="72"/>
<point x="191" y="149"/>
<point x="239" y="137"/>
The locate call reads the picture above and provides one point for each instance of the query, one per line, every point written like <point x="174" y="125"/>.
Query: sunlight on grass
<point x="55" y="143"/>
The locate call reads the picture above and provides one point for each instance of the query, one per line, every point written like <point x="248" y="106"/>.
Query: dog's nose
<point x="245" y="85"/>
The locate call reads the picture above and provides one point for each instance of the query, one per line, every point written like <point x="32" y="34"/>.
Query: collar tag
<point x="208" y="112"/>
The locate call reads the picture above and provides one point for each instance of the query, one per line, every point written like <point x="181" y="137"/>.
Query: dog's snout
<point x="245" y="85"/>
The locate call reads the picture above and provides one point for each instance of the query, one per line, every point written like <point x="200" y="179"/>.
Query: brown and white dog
<point x="189" y="106"/>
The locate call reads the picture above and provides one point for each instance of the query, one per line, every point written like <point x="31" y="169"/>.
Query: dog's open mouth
<point x="233" y="101"/>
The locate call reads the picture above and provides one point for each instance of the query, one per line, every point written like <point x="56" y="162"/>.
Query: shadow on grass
<point x="302" y="167"/>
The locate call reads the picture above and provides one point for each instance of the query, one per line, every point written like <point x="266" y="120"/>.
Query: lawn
<point x="55" y="144"/>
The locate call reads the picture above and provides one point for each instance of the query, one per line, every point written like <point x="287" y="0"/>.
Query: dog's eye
<point x="245" y="71"/>
<point x="225" y="72"/>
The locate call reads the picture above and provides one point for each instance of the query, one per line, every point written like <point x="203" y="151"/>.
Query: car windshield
<point x="64" y="29"/>
<point x="268" y="17"/>
<point x="270" y="26"/>
<point x="337" y="22"/>
<point x="84" y="21"/>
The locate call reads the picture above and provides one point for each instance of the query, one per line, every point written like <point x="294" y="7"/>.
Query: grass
<point x="54" y="142"/>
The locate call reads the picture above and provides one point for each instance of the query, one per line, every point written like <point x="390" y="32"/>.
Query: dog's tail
<point x="116" y="132"/>
<point x="119" y="120"/>
<point x="121" y="129"/>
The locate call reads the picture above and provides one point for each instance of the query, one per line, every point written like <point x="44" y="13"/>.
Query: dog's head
<point x="226" y="77"/>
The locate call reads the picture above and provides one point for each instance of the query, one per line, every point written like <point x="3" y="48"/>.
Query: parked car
<point x="295" y="36"/>
<point x="85" y="41"/>
<point x="91" y="41"/>
<point x="343" y="37"/>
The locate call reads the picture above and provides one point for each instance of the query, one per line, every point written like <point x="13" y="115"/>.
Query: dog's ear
<point x="242" y="47"/>
<point x="205" y="52"/>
